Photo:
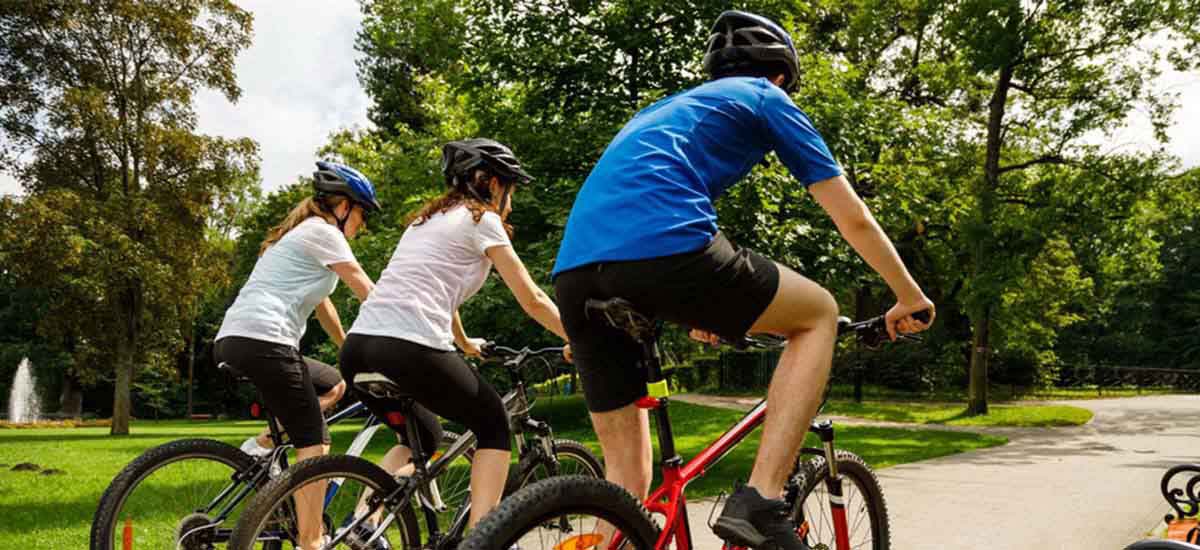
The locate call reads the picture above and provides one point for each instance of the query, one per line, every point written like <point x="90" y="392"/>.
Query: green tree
<point x="121" y="189"/>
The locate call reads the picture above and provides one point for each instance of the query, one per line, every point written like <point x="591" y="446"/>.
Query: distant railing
<point x="745" y="371"/>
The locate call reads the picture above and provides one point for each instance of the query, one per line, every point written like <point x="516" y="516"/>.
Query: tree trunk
<point x="191" y="351"/>
<point x="122" y="401"/>
<point x="71" y="400"/>
<point x="126" y="357"/>
<point x="864" y="307"/>
<point x="977" y="392"/>
<point x="985" y="294"/>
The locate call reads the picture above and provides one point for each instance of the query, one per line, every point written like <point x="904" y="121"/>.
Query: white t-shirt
<point x="287" y="283"/>
<point x="436" y="266"/>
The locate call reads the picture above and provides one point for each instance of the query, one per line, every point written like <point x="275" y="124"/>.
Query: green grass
<point x="954" y="414"/>
<point x="53" y="512"/>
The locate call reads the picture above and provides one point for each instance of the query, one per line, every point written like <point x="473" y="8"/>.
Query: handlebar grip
<point x="487" y="348"/>
<point x="922" y="316"/>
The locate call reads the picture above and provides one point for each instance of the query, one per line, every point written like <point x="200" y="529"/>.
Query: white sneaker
<point x="252" y="448"/>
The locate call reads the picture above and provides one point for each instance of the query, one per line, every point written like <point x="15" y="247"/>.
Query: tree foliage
<point x="121" y="190"/>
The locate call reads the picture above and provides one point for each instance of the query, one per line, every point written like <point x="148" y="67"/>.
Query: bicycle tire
<point x="811" y="474"/>
<point x="257" y="512"/>
<point x="1162" y="545"/>
<point x="564" y="450"/>
<point x="540" y="502"/>
<point x="104" y="522"/>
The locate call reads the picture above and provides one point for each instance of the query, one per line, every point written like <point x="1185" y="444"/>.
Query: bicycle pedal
<point x="713" y="511"/>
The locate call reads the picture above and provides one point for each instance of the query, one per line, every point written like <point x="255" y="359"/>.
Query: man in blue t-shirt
<point x="644" y="228"/>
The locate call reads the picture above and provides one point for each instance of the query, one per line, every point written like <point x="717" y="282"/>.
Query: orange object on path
<point x="1186" y="530"/>
<point x="127" y="535"/>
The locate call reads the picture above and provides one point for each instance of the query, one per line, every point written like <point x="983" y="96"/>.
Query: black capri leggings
<point x="288" y="382"/>
<point x="439" y="380"/>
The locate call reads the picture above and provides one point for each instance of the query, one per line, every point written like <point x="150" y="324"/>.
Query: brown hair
<point x="455" y="197"/>
<point x="307" y="208"/>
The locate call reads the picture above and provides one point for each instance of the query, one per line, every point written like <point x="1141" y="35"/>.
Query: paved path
<point x="1091" y="487"/>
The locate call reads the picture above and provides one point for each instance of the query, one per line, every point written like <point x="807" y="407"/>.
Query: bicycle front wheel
<point x="866" y="519"/>
<point x="573" y="459"/>
<point x="179" y="494"/>
<point x="564" y="512"/>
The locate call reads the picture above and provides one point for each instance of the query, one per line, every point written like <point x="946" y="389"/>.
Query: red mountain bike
<point x="562" y="513"/>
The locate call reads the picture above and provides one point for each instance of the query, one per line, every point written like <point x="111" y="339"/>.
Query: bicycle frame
<point x="428" y="467"/>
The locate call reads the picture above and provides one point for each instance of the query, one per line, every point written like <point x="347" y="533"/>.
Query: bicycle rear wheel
<point x="866" y="510"/>
<point x="270" y="514"/>
<point x="171" y="492"/>
<point x="563" y="512"/>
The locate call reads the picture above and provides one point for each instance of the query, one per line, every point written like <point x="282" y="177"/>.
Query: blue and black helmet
<point x="332" y="178"/>
<point x="742" y="41"/>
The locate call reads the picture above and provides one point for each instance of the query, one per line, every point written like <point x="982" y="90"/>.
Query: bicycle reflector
<point x="255" y="410"/>
<point x="580" y="542"/>
<point x="127" y="535"/>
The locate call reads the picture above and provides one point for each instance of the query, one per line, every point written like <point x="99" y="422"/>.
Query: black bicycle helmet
<point x="742" y="40"/>
<point x="338" y="179"/>
<point x="462" y="158"/>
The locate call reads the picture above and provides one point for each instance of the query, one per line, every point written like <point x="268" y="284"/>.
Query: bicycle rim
<point x="865" y="511"/>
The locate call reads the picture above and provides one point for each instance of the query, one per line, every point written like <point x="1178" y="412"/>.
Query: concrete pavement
<point x="1090" y="487"/>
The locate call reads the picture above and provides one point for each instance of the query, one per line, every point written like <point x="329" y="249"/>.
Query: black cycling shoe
<point x="358" y="537"/>
<point x="750" y="520"/>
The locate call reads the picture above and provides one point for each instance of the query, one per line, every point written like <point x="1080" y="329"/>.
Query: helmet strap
<point x="470" y="187"/>
<point x="504" y="199"/>
<point x="341" y="222"/>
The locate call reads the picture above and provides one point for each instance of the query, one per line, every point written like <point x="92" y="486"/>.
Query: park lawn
<point x="954" y="414"/>
<point x="54" y="512"/>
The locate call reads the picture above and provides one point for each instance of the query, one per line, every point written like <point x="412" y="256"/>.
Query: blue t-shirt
<point x="651" y="193"/>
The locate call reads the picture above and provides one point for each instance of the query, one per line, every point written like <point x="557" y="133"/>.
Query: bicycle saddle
<point x="378" y="385"/>
<point x="232" y="371"/>
<point x="620" y="314"/>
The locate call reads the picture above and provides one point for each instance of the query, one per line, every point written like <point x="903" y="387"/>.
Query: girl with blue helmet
<point x="299" y="265"/>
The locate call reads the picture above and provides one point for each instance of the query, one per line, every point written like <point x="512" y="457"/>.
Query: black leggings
<point x="439" y="380"/>
<point x="288" y="383"/>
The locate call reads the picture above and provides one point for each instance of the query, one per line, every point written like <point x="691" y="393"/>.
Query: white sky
<point x="299" y="84"/>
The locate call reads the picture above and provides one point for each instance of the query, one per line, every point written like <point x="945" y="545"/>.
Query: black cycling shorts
<point x="720" y="289"/>
<point x="288" y="382"/>
<point x="439" y="380"/>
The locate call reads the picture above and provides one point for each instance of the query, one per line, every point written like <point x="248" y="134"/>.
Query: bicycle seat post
<point x="622" y="315"/>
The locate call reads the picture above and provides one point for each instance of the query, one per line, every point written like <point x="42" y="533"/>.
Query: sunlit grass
<point x="955" y="414"/>
<point x="54" y="512"/>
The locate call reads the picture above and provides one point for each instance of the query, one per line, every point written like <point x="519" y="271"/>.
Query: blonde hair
<point x="307" y="208"/>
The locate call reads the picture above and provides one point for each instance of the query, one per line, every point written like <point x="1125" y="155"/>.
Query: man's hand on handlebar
<point x="900" y="319"/>
<point x="567" y="355"/>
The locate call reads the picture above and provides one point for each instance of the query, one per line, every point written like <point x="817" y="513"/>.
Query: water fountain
<point x="23" y="403"/>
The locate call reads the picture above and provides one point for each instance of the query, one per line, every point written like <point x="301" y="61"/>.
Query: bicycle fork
<point x="833" y="484"/>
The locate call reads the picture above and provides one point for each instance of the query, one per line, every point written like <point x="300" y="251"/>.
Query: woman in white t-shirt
<point x="298" y="267"/>
<point x="407" y="329"/>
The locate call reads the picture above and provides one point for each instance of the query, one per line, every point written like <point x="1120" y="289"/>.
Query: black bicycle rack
<point x="1185" y="500"/>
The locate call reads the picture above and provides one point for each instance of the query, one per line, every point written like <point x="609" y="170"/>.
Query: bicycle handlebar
<point x="516" y="357"/>
<point x="872" y="332"/>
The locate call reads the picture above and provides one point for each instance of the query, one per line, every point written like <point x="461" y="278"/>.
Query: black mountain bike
<point x="186" y="494"/>
<point x="401" y="499"/>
